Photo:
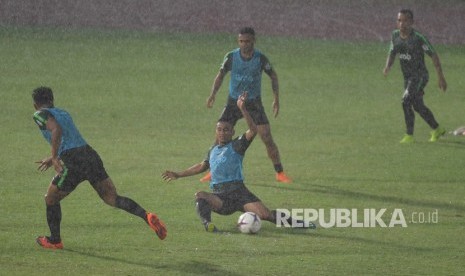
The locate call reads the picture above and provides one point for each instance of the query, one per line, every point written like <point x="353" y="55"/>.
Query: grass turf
<point x="139" y="99"/>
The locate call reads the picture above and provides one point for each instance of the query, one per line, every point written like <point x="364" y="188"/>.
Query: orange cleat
<point x="45" y="243"/>
<point x="282" y="177"/>
<point x="206" y="178"/>
<point x="157" y="225"/>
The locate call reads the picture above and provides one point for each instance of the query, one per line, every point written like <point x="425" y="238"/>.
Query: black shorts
<point x="80" y="164"/>
<point x="231" y="113"/>
<point x="414" y="89"/>
<point x="234" y="200"/>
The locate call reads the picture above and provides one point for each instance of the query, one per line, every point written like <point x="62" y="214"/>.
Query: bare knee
<point x="261" y="210"/>
<point x="200" y="195"/>
<point x="53" y="195"/>
<point x="107" y="191"/>
<point x="49" y="200"/>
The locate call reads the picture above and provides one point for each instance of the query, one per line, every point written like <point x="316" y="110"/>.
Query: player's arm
<point x="224" y="69"/>
<point x="389" y="62"/>
<point x="46" y="121"/>
<point x="391" y="57"/>
<point x="193" y="170"/>
<point x="275" y="88"/>
<point x="216" y="86"/>
<point x="252" y="131"/>
<point x="441" y="79"/>
<point x="274" y="83"/>
<point x="55" y="131"/>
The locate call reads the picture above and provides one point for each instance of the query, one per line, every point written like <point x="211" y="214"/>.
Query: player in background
<point x="246" y="65"/>
<point x="229" y="194"/>
<point x="74" y="162"/>
<point x="411" y="47"/>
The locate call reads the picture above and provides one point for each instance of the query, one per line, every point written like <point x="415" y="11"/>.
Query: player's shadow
<point x="184" y="268"/>
<point x="313" y="189"/>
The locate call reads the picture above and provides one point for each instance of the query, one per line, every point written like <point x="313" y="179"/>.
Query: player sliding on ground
<point x="75" y="161"/>
<point x="229" y="194"/>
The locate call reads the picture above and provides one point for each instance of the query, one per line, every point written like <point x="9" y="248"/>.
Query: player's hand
<point x="275" y="106"/>
<point x="442" y="84"/>
<point x="57" y="165"/>
<point x="44" y="164"/>
<point x="210" y="101"/>
<point x="169" y="175"/>
<point x="241" y="100"/>
<point x="386" y="71"/>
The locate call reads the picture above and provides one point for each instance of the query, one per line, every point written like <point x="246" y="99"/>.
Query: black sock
<point x="278" y="167"/>
<point x="203" y="210"/>
<point x="289" y="220"/>
<point x="131" y="206"/>
<point x="273" y="217"/>
<point x="54" y="220"/>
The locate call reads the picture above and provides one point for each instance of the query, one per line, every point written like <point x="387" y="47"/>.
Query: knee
<point x="110" y="200"/>
<point x="267" y="139"/>
<point x="49" y="200"/>
<point x="419" y="108"/>
<point x="200" y="195"/>
<point x="406" y="104"/>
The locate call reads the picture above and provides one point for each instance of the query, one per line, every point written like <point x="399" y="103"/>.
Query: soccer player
<point x="411" y="47"/>
<point x="229" y="194"/>
<point x="246" y="65"/>
<point x="75" y="161"/>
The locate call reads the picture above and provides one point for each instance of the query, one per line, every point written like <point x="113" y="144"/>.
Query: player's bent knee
<point x="200" y="195"/>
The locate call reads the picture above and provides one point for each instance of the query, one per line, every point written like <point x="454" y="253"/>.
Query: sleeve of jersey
<point x="426" y="45"/>
<point x="392" y="51"/>
<point x="241" y="144"/>
<point x="266" y="64"/>
<point x="207" y="158"/>
<point x="226" y="65"/>
<point x="40" y="118"/>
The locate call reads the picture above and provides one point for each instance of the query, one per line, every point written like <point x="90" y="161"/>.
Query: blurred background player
<point x="411" y="47"/>
<point x="75" y="161"/>
<point x="246" y="65"/>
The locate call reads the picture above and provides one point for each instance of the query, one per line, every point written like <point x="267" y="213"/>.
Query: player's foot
<point x="309" y="225"/>
<point x="45" y="243"/>
<point x="435" y="134"/>
<point x="210" y="227"/>
<point x="282" y="177"/>
<point x="407" y="139"/>
<point x="157" y="225"/>
<point x="206" y="178"/>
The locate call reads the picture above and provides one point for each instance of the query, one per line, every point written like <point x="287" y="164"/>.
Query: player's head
<point x="224" y="132"/>
<point x="246" y="39"/>
<point x="407" y="12"/>
<point x="405" y="19"/>
<point x="247" y="30"/>
<point x="42" y="96"/>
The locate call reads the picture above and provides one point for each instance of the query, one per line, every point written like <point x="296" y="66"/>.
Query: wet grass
<point x="139" y="99"/>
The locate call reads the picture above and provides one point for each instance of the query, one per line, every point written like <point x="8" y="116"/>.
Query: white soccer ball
<point x="249" y="223"/>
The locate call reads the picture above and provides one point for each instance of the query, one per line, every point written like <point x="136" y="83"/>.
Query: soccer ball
<point x="249" y="223"/>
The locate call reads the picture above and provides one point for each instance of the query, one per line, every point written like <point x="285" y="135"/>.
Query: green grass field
<point x="139" y="99"/>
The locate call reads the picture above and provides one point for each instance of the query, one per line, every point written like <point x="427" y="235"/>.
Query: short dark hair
<point x="407" y="12"/>
<point x="42" y="96"/>
<point x="247" y="30"/>
<point x="224" y="121"/>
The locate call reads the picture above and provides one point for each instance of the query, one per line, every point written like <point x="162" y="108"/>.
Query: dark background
<point x="442" y="21"/>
